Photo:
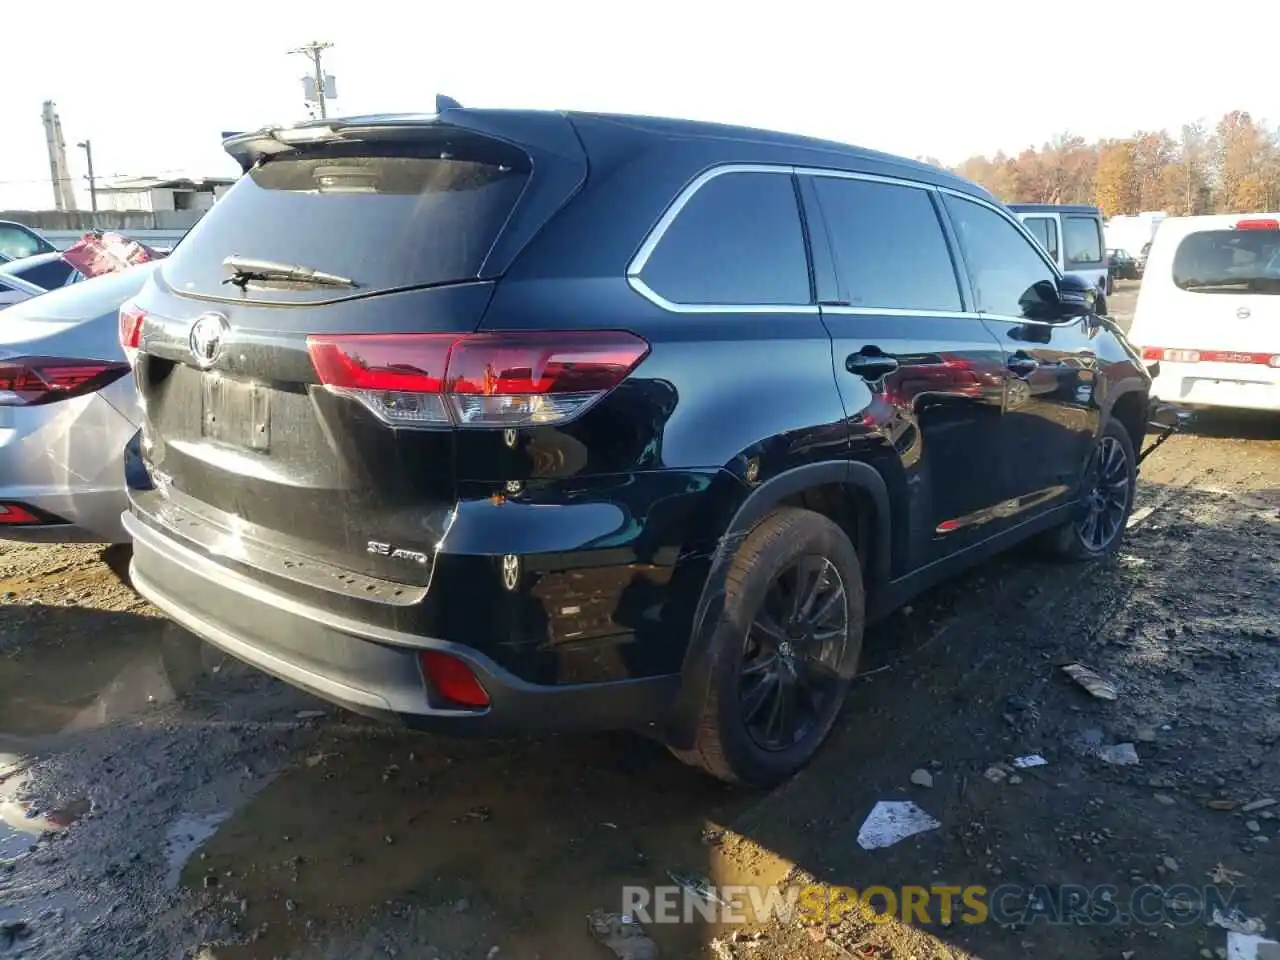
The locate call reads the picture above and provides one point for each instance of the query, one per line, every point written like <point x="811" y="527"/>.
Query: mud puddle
<point x="537" y="834"/>
<point x="92" y="669"/>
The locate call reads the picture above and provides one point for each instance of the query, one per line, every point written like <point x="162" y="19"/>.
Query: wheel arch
<point x="869" y="495"/>
<point x="1127" y="402"/>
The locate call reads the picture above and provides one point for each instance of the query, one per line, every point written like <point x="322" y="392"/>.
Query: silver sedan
<point x="67" y="409"/>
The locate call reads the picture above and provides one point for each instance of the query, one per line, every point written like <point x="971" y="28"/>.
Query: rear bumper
<point x="368" y="669"/>
<point x="1218" y="385"/>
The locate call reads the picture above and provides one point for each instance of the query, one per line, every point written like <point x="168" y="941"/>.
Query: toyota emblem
<point x="1244" y="313"/>
<point x="206" y="338"/>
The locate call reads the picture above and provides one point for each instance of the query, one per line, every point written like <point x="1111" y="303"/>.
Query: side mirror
<point x="1075" y="298"/>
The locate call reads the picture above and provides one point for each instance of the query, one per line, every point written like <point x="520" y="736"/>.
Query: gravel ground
<point x="159" y="800"/>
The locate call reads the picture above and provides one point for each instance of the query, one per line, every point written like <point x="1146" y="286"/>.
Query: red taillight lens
<point x="452" y="679"/>
<point x="398" y="376"/>
<point x="1209" y="356"/>
<point x="411" y="362"/>
<point x="1258" y="224"/>
<point x="479" y="380"/>
<point x="131" y="320"/>
<point x="13" y="513"/>
<point x="1171" y="355"/>
<point x="30" y="381"/>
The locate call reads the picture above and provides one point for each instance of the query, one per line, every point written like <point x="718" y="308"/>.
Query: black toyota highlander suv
<point x="487" y="420"/>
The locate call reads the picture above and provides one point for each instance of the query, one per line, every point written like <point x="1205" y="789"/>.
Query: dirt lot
<point x="158" y="800"/>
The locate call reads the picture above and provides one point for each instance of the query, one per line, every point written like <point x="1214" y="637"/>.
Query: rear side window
<point x="1045" y="230"/>
<point x="1010" y="278"/>
<point x="1228" y="261"/>
<point x="888" y="245"/>
<point x="383" y="215"/>
<point x="50" y="274"/>
<point x="737" y="241"/>
<point x="1084" y="239"/>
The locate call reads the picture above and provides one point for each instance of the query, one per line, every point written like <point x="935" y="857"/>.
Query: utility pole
<point x="64" y="197"/>
<point x="93" y="184"/>
<point x="312" y="51"/>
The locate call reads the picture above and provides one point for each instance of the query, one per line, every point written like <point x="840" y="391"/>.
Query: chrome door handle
<point x="871" y="363"/>
<point x="1022" y="365"/>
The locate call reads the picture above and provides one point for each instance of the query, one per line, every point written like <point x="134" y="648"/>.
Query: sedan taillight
<point x="32" y="381"/>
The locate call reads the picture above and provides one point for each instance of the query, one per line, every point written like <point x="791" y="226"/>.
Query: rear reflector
<point x="131" y="320"/>
<point x="12" y="513"/>
<point x="31" y="381"/>
<point x="1209" y="356"/>
<point x="1260" y="224"/>
<point x="478" y="380"/>
<point x="452" y="679"/>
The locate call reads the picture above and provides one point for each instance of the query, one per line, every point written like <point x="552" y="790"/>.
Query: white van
<point x="1209" y="311"/>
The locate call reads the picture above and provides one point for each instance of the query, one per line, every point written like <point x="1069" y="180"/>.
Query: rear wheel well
<point x="1130" y="409"/>
<point x="850" y="508"/>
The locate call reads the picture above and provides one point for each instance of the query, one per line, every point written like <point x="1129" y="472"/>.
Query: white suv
<point x="1209" y="311"/>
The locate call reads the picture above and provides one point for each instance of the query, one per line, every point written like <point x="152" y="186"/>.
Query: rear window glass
<point x="1083" y="238"/>
<point x="738" y="240"/>
<point x="1228" y="261"/>
<point x="1046" y="232"/>
<point x="382" y="215"/>
<point x="50" y="274"/>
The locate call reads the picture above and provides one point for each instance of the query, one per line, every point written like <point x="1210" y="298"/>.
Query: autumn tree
<point x="1153" y="154"/>
<point x="1237" y="168"/>
<point x="1117" y="181"/>
<point x="1187" y="178"/>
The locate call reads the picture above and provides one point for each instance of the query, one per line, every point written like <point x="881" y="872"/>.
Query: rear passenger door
<point x="919" y="374"/>
<point x="1050" y="412"/>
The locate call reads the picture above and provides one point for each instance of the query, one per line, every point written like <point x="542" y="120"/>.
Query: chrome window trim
<point x="870" y="177"/>
<point x="686" y="194"/>
<point x="640" y="287"/>
<point x="1017" y="225"/>
<point x="1023" y="321"/>
<point x="681" y="201"/>
<point x="899" y="312"/>
<point x="660" y="228"/>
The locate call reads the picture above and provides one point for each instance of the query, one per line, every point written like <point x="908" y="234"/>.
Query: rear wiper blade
<point x="246" y="271"/>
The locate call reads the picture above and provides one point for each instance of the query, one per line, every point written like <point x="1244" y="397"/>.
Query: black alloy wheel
<point x="791" y="656"/>
<point x="1106" y="496"/>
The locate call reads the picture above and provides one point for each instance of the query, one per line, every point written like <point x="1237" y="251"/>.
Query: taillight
<point x="1209" y="356"/>
<point x="1261" y="223"/>
<point x="13" y="513"/>
<point x="477" y="380"/>
<point x="131" y="320"/>
<point x="31" y="381"/>
<point x="452" y="680"/>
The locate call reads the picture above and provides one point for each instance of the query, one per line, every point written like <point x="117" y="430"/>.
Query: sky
<point x="153" y="91"/>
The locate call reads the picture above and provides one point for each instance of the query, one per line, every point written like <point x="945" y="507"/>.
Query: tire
<point x="1072" y="541"/>
<point x="1100" y="305"/>
<point x="734" y="739"/>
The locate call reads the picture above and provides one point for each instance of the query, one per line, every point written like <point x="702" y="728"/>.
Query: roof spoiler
<point x="536" y="132"/>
